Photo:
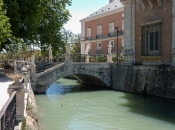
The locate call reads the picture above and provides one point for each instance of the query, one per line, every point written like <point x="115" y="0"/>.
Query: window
<point x="89" y="32"/>
<point x="99" y="46"/>
<point x="151" y="40"/>
<point x="99" y="31"/>
<point x="111" y="29"/>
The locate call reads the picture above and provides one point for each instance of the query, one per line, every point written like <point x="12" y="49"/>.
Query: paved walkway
<point x="4" y="83"/>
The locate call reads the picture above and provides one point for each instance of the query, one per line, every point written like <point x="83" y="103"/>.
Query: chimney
<point x="111" y="1"/>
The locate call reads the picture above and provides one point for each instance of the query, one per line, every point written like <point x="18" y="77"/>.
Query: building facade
<point x="98" y="29"/>
<point x="149" y="32"/>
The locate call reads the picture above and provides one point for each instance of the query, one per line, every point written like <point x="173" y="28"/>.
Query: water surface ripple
<point x="68" y="105"/>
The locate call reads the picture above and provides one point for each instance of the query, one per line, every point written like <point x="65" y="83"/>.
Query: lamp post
<point x="117" y="42"/>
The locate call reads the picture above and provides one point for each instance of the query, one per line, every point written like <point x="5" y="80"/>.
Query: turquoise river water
<point x="69" y="105"/>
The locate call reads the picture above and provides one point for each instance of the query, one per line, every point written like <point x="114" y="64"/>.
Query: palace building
<point x="149" y="32"/>
<point x="98" y="29"/>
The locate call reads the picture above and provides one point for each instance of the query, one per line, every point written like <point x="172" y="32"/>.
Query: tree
<point x="51" y="25"/>
<point x="67" y="36"/>
<point x="37" y="22"/>
<point x="5" y="31"/>
<point x="24" y="17"/>
<point x="73" y="39"/>
<point x="76" y="44"/>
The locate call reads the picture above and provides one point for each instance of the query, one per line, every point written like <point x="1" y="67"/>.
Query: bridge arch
<point x="96" y="74"/>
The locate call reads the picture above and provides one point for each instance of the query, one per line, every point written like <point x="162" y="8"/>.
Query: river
<point x="69" y="105"/>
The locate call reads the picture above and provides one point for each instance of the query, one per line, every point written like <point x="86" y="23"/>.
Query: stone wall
<point x="149" y="80"/>
<point x="32" y="112"/>
<point x="148" y="15"/>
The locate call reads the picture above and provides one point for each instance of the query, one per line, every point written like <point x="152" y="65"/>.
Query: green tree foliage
<point x="37" y="22"/>
<point x="55" y="16"/>
<point x="73" y="39"/>
<point x="5" y="31"/>
<point x="67" y="36"/>
<point x="76" y="44"/>
<point x="25" y="18"/>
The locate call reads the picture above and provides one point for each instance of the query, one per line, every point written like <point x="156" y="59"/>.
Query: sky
<point x="81" y="9"/>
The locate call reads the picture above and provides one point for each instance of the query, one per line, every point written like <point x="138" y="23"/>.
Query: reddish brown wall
<point x="165" y="13"/>
<point x="104" y="21"/>
<point x="105" y="46"/>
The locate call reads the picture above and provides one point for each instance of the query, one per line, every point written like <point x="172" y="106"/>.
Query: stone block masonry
<point x="149" y="80"/>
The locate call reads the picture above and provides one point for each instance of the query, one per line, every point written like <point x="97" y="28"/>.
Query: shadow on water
<point x="59" y="88"/>
<point x="155" y="107"/>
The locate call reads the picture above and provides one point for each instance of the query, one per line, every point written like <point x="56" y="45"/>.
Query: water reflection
<point x="159" y="108"/>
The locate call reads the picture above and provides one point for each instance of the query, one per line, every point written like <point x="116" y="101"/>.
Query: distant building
<point x="149" y="32"/>
<point x="98" y="29"/>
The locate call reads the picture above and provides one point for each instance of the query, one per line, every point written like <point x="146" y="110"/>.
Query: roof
<point x="116" y="4"/>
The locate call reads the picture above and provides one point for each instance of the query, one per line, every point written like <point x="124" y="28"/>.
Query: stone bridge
<point x="149" y="80"/>
<point x="99" y="74"/>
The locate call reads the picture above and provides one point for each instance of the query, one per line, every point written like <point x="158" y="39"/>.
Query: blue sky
<point x="81" y="9"/>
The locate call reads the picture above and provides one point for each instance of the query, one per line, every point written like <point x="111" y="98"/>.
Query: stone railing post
<point x="67" y="57"/>
<point x="26" y="76"/>
<point x="19" y="87"/>
<point x="87" y="58"/>
<point x="109" y="58"/>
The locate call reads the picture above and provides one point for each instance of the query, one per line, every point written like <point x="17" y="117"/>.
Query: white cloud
<point x="74" y="24"/>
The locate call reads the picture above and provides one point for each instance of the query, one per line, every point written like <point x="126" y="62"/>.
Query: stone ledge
<point x="152" y="59"/>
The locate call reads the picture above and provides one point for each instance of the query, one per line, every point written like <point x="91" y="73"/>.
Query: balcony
<point x="88" y="38"/>
<point x="109" y="35"/>
<point x="99" y="51"/>
<point x="99" y="36"/>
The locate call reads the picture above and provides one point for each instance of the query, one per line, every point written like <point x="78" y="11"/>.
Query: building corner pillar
<point x="173" y="34"/>
<point x="129" y="38"/>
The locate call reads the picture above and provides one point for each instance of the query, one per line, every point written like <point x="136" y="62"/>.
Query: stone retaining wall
<point x="149" y="80"/>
